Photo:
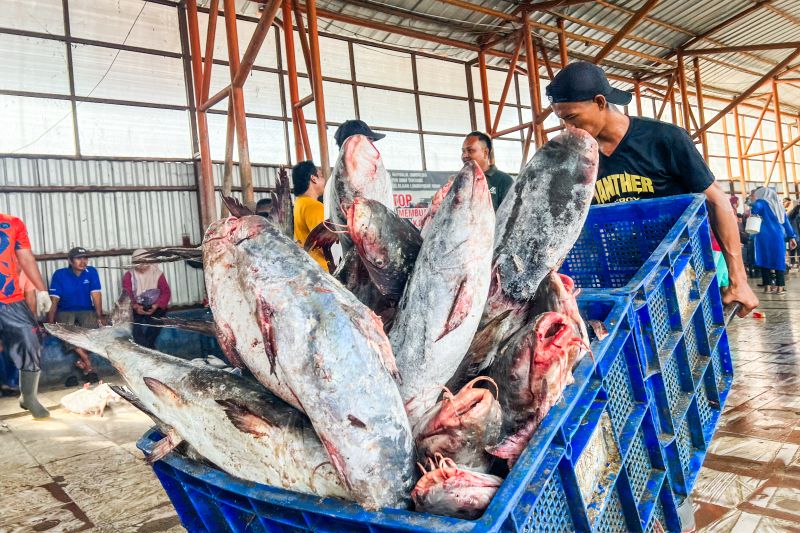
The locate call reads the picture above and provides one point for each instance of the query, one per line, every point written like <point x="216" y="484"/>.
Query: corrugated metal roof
<point x="669" y="25"/>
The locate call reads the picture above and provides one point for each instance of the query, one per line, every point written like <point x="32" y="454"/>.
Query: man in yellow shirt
<point x="309" y="184"/>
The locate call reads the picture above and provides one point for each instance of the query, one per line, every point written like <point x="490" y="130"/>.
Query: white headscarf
<point x="771" y="197"/>
<point x="146" y="280"/>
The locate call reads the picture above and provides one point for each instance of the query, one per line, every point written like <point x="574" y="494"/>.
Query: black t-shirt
<point x="654" y="159"/>
<point x="499" y="183"/>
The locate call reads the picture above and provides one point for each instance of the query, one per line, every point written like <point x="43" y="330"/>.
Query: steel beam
<point x="563" y="49"/>
<point x="698" y="88"/>
<point x="509" y="78"/>
<point x="316" y="83"/>
<point x="237" y="95"/>
<point x="206" y="182"/>
<point x="758" y="123"/>
<point x="533" y="81"/>
<point x="742" y="48"/>
<point x="750" y="90"/>
<point x="208" y="58"/>
<point x="291" y="66"/>
<point x="779" y="139"/>
<point x="684" y="93"/>
<point x="632" y="23"/>
<point x="487" y="111"/>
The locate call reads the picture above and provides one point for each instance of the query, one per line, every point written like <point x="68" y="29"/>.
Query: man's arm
<point x="27" y="262"/>
<point x="51" y="314"/>
<point x="97" y="300"/>
<point x="723" y="223"/>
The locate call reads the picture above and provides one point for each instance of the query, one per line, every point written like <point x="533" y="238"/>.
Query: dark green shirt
<point x="499" y="184"/>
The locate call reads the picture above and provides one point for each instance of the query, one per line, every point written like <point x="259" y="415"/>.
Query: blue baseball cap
<point x="581" y="81"/>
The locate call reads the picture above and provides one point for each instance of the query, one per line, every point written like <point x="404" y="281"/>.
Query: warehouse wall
<point x="131" y="204"/>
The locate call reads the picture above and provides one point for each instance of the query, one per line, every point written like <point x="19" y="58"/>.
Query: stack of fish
<point x="444" y="349"/>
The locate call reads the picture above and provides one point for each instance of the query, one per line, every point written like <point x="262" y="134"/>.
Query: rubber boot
<point x="29" y="385"/>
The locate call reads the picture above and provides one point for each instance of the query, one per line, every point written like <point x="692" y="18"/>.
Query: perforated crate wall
<point x="684" y="455"/>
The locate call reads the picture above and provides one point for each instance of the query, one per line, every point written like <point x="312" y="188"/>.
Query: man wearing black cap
<point x="77" y="299"/>
<point x="645" y="158"/>
<point x="477" y="146"/>
<point x="355" y="127"/>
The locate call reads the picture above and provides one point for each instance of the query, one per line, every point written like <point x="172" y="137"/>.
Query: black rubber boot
<point x="29" y="385"/>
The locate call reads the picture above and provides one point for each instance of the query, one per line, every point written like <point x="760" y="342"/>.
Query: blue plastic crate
<point x="555" y="486"/>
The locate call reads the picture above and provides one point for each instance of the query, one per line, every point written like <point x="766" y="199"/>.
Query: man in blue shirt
<point x="77" y="299"/>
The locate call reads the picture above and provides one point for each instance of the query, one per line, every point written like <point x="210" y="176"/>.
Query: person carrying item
<point x="645" y="158"/>
<point x="355" y="127"/>
<point x="149" y="293"/>
<point x="309" y="184"/>
<point x="770" y="241"/>
<point x="18" y="328"/>
<point x="793" y="212"/>
<point x="77" y="300"/>
<point x="477" y="146"/>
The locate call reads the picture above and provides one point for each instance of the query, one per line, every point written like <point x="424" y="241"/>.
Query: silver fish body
<point x="314" y="344"/>
<point x="231" y="420"/>
<point x="446" y="293"/>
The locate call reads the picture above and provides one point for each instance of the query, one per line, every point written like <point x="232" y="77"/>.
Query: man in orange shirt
<point x="309" y="184"/>
<point x="17" y="323"/>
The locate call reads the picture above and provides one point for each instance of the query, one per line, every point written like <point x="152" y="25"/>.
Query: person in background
<point x="770" y="241"/>
<point x="793" y="212"/>
<point x="355" y="127"/>
<point x="477" y="146"/>
<point x="9" y="377"/>
<point x="264" y="208"/>
<point x="309" y="184"/>
<point x="77" y="300"/>
<point x="645" y="158"/>
<point x="149" y="293"/>
<point x="18" y="328"/>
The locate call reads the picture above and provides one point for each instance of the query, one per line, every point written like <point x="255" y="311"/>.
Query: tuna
<point x="231" y="420"/>
<point x="537" y="224"/>
<point x="532" y="371"/>
<point x="445" y="489"/>
<point x="462" y="426"/>
<point x="439" y="312"/>
<point x="313" y="344"/>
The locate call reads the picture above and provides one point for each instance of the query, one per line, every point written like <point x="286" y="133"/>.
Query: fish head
<point x="469" y="187"/>
<point x="225" y="233"/>
<point x="554" y="336"/>
<point x="452" y="491"/>
<point x="363" y="167"/>
<point x="366" y="222"/>
<point x="461" y="418"/>
<point x="582" y="151"/>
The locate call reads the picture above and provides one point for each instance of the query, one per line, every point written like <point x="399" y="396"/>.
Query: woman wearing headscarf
<point x="770" y="241"/>
<point x="149" y="292"/>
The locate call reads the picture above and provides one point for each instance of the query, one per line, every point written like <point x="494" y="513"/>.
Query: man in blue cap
<point x="645" y="158"/>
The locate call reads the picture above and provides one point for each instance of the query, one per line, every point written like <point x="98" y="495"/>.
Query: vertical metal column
<point x="316" y="82"/>
<point x="237" y="95"/>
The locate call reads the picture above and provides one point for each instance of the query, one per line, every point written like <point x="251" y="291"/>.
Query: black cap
<point x="355" y="127"/>
<point x="581" y="81"/>
<point x="77" y="252"/>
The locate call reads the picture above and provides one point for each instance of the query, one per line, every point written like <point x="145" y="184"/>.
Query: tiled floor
<point x="750" y="480"/>
<point x="74" y="473"/>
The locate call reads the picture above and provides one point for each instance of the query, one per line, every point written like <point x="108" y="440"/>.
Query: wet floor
<point x="750" y="480"/>
<point x="74" y="473"/>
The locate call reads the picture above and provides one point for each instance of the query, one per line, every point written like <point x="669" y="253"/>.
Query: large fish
<point x="537" y="225"/>
<point x="532" y="371"/>
<point x="231" y="420"/>
<point x="441" y="307"/>
<point x="387" y="245"/>
<point x="359" y="172"/>
<point x="448" y="490"/>
<point x="316" y="346"/>
<point x="461" y="427"/>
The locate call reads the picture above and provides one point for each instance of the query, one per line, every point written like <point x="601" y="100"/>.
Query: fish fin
<point x="93" y="340"/>
<point x="512" y="446"/>
<point x="121" y="315"/>
<point x="264" y="315"/>
<point x="164" y="392"/>
<point x="320" y="237"/>
<point x="462" y="304"/>
<point x="236" y="207"/>
<point x="482" y="343"/>
<point x="170" y="254"/>
<point x="132" y="399"/>
<point x="203" y="327"/>
<point x="246" y="420"/>
<point x="164" y="446"/>
<point x="337" y="461"/>
<point x="227" y="341"/>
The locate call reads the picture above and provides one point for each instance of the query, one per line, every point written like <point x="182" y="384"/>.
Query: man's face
<point x="587" y="116"/>
<point x="473" y="149"/>
<point x="79" y="263"/>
